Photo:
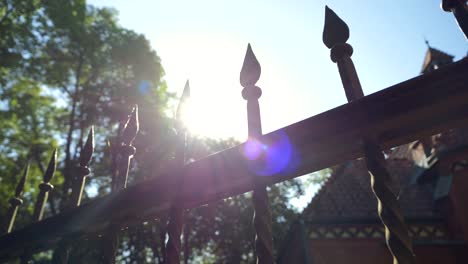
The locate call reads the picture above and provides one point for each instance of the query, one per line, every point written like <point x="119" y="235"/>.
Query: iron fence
<point x="423" y="106"/>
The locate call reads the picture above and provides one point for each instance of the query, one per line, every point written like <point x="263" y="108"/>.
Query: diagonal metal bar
<point x="422" y="106"/>
<point x="249" y="76"/>
<point x="335" y="35"/>
<point x="176" y="215"/>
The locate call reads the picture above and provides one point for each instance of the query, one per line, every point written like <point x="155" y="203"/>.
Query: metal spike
<point x="335" y="30"/>
<point x="87" y="150"/>
<point x="183" y="99"/>
<point x="131" y="127"/>
<point x="51" y="167"/>
<point x="251" y="70"/>
<point x="21" y="183"/>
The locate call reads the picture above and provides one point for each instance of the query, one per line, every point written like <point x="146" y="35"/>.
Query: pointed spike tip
<point x="251" y="70"/>
<point x="20" y="187"/>
<point x="183" y="100"/>
<point x="88" y="149"/>
<point x="335" y="30"/>
<point x="49" y="173"/>
<point x="131" y="127"/>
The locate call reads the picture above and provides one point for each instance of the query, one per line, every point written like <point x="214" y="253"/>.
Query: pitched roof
<point x="347" y="194"/>
<point x="435" y="55"/>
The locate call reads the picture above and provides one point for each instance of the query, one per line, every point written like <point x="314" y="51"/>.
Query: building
<point x="341" y="225"/>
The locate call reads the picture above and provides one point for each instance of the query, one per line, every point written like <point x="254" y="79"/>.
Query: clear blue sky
<point x="205" y="41"/>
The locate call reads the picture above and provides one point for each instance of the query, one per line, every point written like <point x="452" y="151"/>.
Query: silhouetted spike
<point x="251" y="70"/>
<point x="131" y="127"/>
<point x="21" y="183"/>
<point x="335" y="30"/>
<point x="51" y="167"/>
<point x="183" y="99"/>
<point x="88" y="148"/>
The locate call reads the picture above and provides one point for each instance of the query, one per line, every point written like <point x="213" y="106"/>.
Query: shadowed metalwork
<point x="459" y="8"/>
<point x="45" y="187"/>
<point x="249" y="75"/>
<point x="176" y="217"/>
<point x="396" y="232"/>
<point x="251" y="70"/>
<point x="125" y="152"/>
<point x="335" y="30"/>
<point x="131" y="127"/>
<point x="82" y="170"/>
<point x="16" y="201"/>
<point x="88" y="148"/>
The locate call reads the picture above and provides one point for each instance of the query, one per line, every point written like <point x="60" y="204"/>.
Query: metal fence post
<point x="176" y="216"/>
<point x="125" y="154"/>
<point x="16" y="201"/>
<point x="61" y="253"/>
<point x="335" y="35"/>
<point x="249" y="76"/>
<point x="44" y="188"/>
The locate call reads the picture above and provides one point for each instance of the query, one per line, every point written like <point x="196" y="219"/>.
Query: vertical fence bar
<point x="335" y="35"/>
<point x="16" y="201"/>
<point x="125" y="154"/>
<point x="249" y="75"/>
<point x="176" y="216"/>
<point x="61" y="253"/>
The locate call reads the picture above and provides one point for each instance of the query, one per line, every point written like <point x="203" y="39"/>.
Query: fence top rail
<point x="399" y="114"/>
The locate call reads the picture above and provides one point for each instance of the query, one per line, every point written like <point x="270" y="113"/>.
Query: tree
<point x="71" y="65"/>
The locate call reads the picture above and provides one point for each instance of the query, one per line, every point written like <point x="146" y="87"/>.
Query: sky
<point x="205" y="41"/>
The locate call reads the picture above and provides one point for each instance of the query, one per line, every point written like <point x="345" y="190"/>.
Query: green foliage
<point x="66" y="66"/>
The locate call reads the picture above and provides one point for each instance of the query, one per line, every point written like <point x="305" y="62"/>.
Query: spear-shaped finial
<point x="251" y="70"/>
<point x="182" y="103"/>
<point x="82" y="170"/>
<point x="16" y="201"/>
<point x="131" y="128"/>
<point x="20" y="187"/>
<point x="50" y="171"/>
<point x="335" y="30"/>
<point x="88" y="148"/>
<point x="45" y="187"/>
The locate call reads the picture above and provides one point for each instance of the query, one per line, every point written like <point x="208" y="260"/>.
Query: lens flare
<point x="275" y="155"/>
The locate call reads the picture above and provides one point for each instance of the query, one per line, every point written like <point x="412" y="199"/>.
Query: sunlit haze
<point x="205" y="42"/>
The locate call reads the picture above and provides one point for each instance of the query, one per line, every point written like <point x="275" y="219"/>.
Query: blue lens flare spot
<point x="144" y="86"/>
<point x="274" y="155"/>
